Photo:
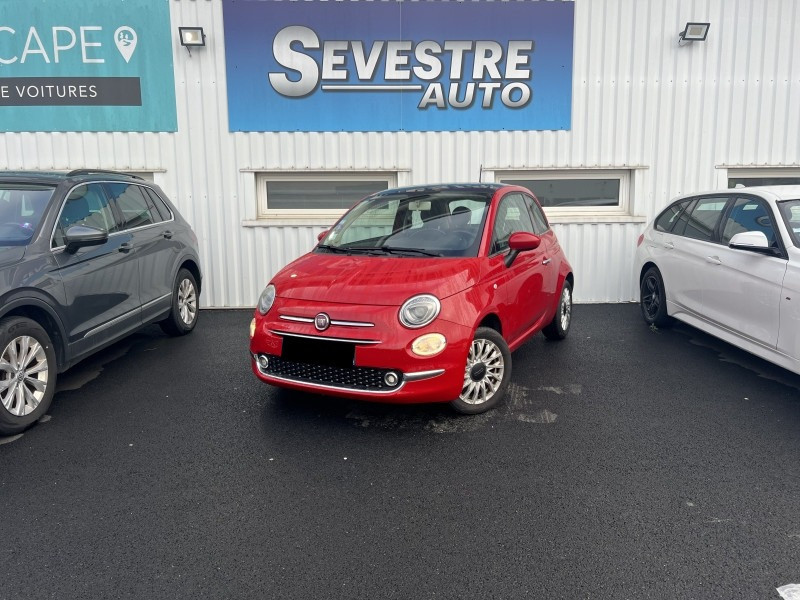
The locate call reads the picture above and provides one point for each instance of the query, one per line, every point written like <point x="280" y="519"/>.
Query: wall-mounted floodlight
<point x="192" y="37"/>
<point x="694" y="32"/>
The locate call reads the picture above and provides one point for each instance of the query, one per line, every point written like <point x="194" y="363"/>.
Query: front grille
<point x="356" y="378"/>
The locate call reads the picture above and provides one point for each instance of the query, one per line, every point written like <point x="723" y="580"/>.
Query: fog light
<point x="391" y="379"/>
<point x="252" y="328"/>
<point x="429" y="344"/>
<point x="263" y="361"/>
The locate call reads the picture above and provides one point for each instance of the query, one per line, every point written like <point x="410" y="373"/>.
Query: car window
<point x="21" y="209"/>
<point x="86" y="205"/>
<point x="700" y="221"/>
<point x="667" y="219"/>
<point x="539" y="220"/>
<point x="160" y="205"/>
<point x="790" y="211"/>
<point x="749" y="214"/>
<point x="133" y="206"/>
<point x="512" y="216"/>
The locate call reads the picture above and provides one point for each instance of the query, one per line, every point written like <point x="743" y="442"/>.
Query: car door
<point x="681" y="254"/>
<point x="551" y="244"/>
<point x="523" y="282"/>
<point x="742" y="290"/>
<point x="152" y="241"/>
<point x="101" y="282"/>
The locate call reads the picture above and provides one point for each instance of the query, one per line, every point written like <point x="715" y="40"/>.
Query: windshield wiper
<point x="399" y="250"/>
<point x="332" y="248"/>
<point x="347" y="249"/>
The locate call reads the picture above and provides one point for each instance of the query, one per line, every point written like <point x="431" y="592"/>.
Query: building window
<point x="754" y="177"/>
<point x="328" y="195"/>
<point x="576" y="192"/>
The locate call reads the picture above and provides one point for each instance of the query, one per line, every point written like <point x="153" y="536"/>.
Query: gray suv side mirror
<point x="79" y="236"/>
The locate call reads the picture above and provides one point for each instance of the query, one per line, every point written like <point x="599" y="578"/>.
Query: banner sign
<point x="86" y="65"/>
<point x="398" y="66"/>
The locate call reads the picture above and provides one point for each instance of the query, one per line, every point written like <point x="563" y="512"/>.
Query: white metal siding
<point x="678" y="114"/>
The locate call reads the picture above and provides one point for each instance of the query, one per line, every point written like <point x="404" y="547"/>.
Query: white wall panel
<point x="639" y="100"/>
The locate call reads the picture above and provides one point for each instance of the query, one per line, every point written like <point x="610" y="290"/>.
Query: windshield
<point x="790" y="211"/>
<point x="439" y="223"/>
<point x="21" y="209"/>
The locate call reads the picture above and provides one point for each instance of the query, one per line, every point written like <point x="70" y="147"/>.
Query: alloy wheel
<point x="651" y="296"/>
<point x="187" y="302"/>
<point x="565" y="308"/>
<point x="23" y="375"/>
<point x="483" y="373"/>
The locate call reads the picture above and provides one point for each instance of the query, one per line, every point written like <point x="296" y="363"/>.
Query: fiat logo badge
<point x="322" y="322"/>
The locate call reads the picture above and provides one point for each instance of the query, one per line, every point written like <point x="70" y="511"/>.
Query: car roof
<point x="443" y="187"/>
<point x="768" y="192"/>
<point x="56" y="177"/>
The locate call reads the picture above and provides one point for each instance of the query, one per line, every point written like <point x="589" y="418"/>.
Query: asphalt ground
<point x="626" y="463"/>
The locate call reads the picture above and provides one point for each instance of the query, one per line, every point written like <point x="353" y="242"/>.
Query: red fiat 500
<point x="417" y="294"/>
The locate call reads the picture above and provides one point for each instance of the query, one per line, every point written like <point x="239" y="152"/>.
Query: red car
<point x="418" y="294"/>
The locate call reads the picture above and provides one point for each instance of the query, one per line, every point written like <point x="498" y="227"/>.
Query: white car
<point x="728" y="262"/>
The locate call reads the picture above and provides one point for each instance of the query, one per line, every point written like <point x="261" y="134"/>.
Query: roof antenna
<point x="480" y="174"/>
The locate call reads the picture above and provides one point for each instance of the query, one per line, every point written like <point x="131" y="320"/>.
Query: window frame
<point x="623" y="175"/>
<point x="755" y="172"/>
<point x="264" y="213"/>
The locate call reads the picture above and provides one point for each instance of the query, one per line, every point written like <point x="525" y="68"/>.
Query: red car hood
<point x="386" y="281"/>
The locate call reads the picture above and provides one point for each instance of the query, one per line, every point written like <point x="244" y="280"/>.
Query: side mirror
<point x="755" y="241"/>
<point x="79" y="236"/>
<point x="322" y="235"/>
<point x="519" y="242"/>
<point x="522" y="240"/>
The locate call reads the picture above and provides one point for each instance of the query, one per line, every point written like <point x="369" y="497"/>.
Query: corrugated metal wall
<point x="677" y="115"/>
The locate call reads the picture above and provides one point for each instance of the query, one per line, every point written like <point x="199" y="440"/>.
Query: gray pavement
<point x="625" y="463"/>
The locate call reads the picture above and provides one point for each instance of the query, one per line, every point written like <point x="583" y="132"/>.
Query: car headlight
<point x="420" y="310"/>
<point x="266" y="299"/>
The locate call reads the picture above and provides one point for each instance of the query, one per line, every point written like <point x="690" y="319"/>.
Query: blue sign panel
<point x="86" y="65"/>
<point x="398" y="66"/>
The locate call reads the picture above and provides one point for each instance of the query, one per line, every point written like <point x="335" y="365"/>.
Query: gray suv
<point x="86" y="258"/>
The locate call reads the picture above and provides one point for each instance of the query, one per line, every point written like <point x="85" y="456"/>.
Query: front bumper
<point x="383" y="368"/>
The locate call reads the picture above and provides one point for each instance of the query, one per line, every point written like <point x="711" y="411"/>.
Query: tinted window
<point x="667" y="219"/>
<point x="573" y="192"/>
<point x="700" y="221"/>
<point x="749" y="214"/>
<point x="160" y="205"/>
<point x="133" y="206"/>
<point x="327" y="195"/>
<point x="86" y="205"/>
<point x="512" y="216"/>
<point x="751" y="181"/>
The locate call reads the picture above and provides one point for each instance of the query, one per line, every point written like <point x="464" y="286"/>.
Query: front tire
<point x="486" y="374"/>
<point x="653" y="299"/>
<point x="27" y="373"/>
<point x="558" y="328"/>
<point x="183" y="316"/>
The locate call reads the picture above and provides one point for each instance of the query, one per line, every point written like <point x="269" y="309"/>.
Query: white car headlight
<point x="420" y="310"/>
<point x="266" y="299"/>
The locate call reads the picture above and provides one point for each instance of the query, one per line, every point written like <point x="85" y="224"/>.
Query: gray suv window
<point x="136" y="211"/>
<point x="86" y="205"/>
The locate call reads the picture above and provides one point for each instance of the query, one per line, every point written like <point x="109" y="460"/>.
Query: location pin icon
<point x="125" y="38"/>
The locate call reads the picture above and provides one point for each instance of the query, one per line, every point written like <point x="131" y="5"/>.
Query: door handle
<point x="125" y="247"/>
<point x="714" y="260"/>
<point x="168" y="234"/>
<point x="547" y="261"/>
<point x="669" y="245"/>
